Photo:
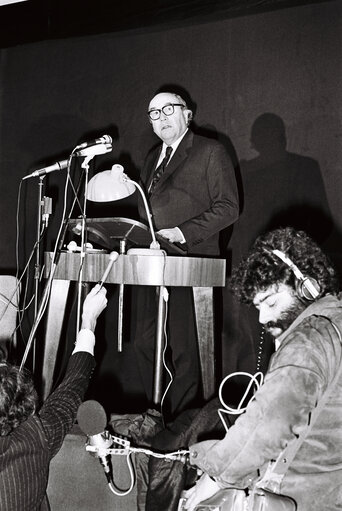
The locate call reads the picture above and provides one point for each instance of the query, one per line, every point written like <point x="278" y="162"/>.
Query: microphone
<point x="105" y="139"/>
<point x="59" y="165"/>
<point x="113" y="256"/>
<point x="93" y="150"/>
<point x="92" y="420"/>
<point x="100" y="145"/>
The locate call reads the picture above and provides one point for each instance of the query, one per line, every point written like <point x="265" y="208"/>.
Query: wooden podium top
<point x="108" y="232"/>
<point x="143" y="270"/>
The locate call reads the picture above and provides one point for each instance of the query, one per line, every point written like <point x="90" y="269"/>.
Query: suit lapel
<point x="178" y="157"/>
<point x="151" y="165"/>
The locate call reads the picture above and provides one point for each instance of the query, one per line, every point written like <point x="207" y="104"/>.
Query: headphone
<point x="307" y="288"/>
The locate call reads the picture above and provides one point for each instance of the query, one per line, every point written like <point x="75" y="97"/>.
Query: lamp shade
<point x="109" y="185"/>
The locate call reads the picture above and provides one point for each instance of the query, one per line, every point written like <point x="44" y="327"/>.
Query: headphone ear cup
<point x="308" y="289"/>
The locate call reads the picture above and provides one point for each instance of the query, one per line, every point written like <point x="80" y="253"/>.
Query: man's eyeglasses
<point x="169" y="109"/>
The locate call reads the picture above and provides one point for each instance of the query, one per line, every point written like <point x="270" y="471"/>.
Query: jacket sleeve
<point x="279" y="411"/>
<point x="223" y="210"/>
<point x="58" y="413"/>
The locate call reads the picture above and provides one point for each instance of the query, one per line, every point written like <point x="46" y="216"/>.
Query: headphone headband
<point x="289" y="263"/>
<point x="309" y="287"/>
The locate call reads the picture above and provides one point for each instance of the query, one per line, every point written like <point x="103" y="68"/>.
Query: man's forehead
<point x="261" y="296"/>
<point x="162" y="99"/>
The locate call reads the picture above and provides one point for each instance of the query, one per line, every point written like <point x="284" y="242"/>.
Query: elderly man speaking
<point x="190" y="182"/>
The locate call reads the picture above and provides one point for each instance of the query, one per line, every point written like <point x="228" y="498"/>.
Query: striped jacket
<point x="25" y="453"/>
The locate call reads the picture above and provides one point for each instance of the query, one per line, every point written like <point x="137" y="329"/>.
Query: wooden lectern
<point x="202" y="274"/>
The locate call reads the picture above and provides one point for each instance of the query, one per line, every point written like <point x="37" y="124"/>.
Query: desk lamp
<point x="111" y="185"/>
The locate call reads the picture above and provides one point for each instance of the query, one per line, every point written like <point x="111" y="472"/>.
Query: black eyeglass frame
<point x="160" y="110"/>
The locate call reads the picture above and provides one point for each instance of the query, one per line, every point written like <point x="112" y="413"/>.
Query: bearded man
<point x="291" y="282"/>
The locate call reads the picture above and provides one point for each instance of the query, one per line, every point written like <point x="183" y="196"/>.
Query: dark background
<point x="36" y="20"/>
<point x="71" y="71"/>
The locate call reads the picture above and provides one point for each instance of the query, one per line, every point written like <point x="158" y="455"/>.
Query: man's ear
<point x="188" y="114"/>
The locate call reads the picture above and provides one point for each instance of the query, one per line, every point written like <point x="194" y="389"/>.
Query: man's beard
<point x="286" y="318"/>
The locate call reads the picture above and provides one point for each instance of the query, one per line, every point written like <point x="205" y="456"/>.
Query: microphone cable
<point x="122" y="493"/>
<point x="255" y="379"/>
<point x="181" y="455"/>
<point x="166" y="299"/>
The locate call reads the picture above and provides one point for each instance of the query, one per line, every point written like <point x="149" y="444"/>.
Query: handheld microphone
<point x="113" y="256"/>
<point x="92" y="420"/>
<point x="59" y="165"/>
<point x="105" y="139"/>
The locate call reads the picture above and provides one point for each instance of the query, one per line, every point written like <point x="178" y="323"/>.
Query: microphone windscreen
<point x="113" y="256"/>
<point x="91" y="417"/>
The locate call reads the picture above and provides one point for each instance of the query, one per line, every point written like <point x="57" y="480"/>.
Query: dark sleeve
<point x="223" y="210"/>
<point x="58" y="413"/>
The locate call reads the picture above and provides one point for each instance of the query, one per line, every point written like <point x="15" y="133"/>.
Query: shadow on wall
<point x="279" y="189"/>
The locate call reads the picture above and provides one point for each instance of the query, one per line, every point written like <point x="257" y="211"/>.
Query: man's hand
<point x="203" y="489"/>
<point x="93" y="305"/>
<point x="174" y="235"/>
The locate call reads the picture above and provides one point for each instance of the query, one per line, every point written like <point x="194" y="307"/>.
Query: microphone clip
<point x="109" y="446"/>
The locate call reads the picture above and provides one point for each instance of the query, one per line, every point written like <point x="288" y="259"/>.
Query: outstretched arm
<point x="58" y="413"/>
<point x="93" y="305"/>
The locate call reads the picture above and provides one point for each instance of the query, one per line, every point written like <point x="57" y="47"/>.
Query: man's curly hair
<point x="261" y="268"/>
<point x="18" y="397"/>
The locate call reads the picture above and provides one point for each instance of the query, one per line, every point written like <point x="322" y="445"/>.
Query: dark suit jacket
<point x="25" y="453"/>
<point x="196" y="193"/>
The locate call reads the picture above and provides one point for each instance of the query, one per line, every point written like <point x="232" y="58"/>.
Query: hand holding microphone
<point x="113" y="256"/>
<point x="96" y="300"/>
<point x="94" y="303"/>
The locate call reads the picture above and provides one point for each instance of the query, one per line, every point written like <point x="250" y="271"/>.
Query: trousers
<point x="182" y="354"/>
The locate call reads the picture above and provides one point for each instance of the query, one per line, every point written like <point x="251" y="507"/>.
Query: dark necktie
<point x="160" y="169"/>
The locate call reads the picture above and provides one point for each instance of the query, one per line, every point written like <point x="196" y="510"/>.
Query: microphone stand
<point x="46" y="291"/>
<point x="101" y="146"/>
<point x="37" y="264"/>
<point x="42" y="201"/>
<point x="85" y="166"/>
<point x="89" y="153"/>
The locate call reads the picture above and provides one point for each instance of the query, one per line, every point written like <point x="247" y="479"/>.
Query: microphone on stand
<point x="92" y="420"/>
<point x="100" y="145"/>
<point x="59" y="165"/>
<point x="105" y="139"/>
<point x="93" y="150"/>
